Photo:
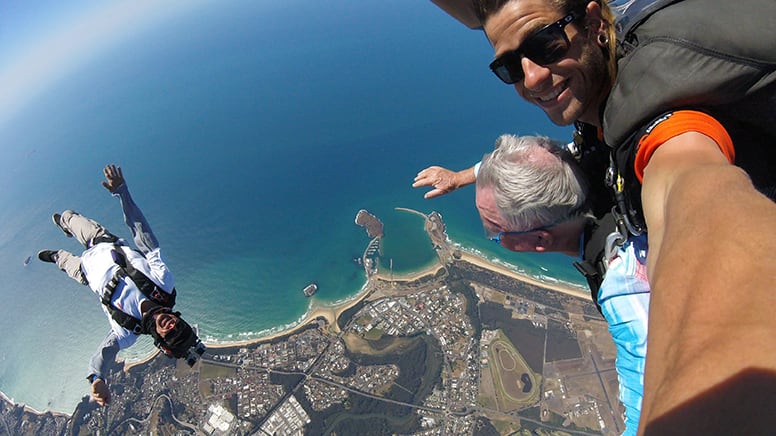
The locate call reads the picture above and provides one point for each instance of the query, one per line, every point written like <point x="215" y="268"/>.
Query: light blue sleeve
<point x="144" y="237"/>
<point x="624" y="298"/>
<point x="105" y="355"/>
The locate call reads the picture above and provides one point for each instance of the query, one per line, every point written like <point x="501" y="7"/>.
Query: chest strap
<point x="125" y="320"/>
<point x="601" y="240"/>
<point x="146" y="286"/>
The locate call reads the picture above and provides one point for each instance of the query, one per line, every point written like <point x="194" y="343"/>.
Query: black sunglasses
<point x="546" y="46"/>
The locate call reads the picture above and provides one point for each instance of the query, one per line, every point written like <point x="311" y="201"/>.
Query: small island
<point x="310" y="289"/>
<point x="372" y="225"/>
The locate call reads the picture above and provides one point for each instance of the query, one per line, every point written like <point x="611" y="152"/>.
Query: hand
<point x="114" y="177"/>
<point x="100" y="392"/>
<point x="443" y="180"/>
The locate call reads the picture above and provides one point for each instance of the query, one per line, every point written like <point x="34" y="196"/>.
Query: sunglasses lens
<point x="547" y="46"/>
<point x="508" y="68"/>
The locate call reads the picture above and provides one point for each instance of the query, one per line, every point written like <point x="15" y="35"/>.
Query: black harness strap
<point x="127" y="321"/>
<point x="593" y="263"/>
<point x="146" y="286"/>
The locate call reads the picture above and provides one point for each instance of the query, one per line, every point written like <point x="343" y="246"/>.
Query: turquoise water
<point x="251" y="133"/>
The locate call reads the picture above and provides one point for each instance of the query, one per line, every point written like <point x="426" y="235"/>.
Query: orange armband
<point x="674" y="124"/>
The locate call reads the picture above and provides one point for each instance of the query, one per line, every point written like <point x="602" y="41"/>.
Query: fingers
<point x="430" y="176"/>
<point x="422" y="181"/>
<point x="419" y="180"/>
<point x="428" y="172"/>
<point x="114" y="177"/>
<point x="437" y="177"/>
<point x="434" y="193"/>
<point x="111" y="171"/>
<point x="108" y="173"/>
<point x="98" y="399"/>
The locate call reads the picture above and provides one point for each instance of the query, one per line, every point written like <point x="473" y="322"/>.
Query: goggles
<point x="546" y="46"/>
<point x="508" y="238"/>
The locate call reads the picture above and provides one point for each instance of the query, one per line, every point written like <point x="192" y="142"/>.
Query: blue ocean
<point x="250" y="134"/>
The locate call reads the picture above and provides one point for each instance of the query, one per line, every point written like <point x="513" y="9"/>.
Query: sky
<point x="42" y="41"/>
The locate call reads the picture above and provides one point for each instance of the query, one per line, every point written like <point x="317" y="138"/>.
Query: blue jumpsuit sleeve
<point x="144" y="237"/>
<point x="105" y="355"/>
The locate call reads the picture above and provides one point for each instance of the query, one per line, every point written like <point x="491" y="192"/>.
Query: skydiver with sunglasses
<point x="135" y="287"/>
<point x="680" y="90"/>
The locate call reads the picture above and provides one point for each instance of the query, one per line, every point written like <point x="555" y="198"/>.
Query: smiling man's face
<point x="571" y="89"/>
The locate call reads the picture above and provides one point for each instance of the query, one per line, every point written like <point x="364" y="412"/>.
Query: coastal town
<point x="464" y="347"/>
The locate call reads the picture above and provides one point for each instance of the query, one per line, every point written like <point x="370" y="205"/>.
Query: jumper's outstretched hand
<point x="100" y="392"/>
<point x="443" y="180"/>
<point x="114" y="177"/>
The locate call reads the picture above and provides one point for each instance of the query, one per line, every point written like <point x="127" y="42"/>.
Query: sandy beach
<point x="329" y="313"/>
<point x="332" y="313"/>
<point x="4" y="397"/>
<point x="501" y="269"/>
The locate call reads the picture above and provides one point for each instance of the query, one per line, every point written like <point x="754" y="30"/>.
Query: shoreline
<point x="503" y="270"/>
<point x="30" y="409"/>
<point x="329" y="312"/>
<point x="332" y="312"/>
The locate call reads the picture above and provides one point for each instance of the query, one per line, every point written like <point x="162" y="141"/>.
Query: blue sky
<point x="43" y="40"/>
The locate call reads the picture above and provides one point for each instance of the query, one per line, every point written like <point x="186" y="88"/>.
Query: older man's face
<point x="569" y="90"/>
<point x="494" y="222"/>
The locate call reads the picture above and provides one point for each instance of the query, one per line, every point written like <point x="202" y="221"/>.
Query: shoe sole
<point x="47" y="256"/>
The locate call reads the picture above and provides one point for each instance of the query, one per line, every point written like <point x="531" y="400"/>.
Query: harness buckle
<point x="575" y="146"/>
<point x="613" y="241"/>
<point x="609" y="177"/>
<point x="111" y="286"/>
<point x="160" y="297"/>
<point x="107" y="237"/>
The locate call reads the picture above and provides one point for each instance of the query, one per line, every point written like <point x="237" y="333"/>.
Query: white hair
<point x="535" y="181"/>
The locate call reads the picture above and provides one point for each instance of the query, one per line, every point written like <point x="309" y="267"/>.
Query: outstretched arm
<point x="443" y="180"/>
<point x="712" y="269"/>
<point x="98" y="368"/>
<point x="144" y="237"/>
